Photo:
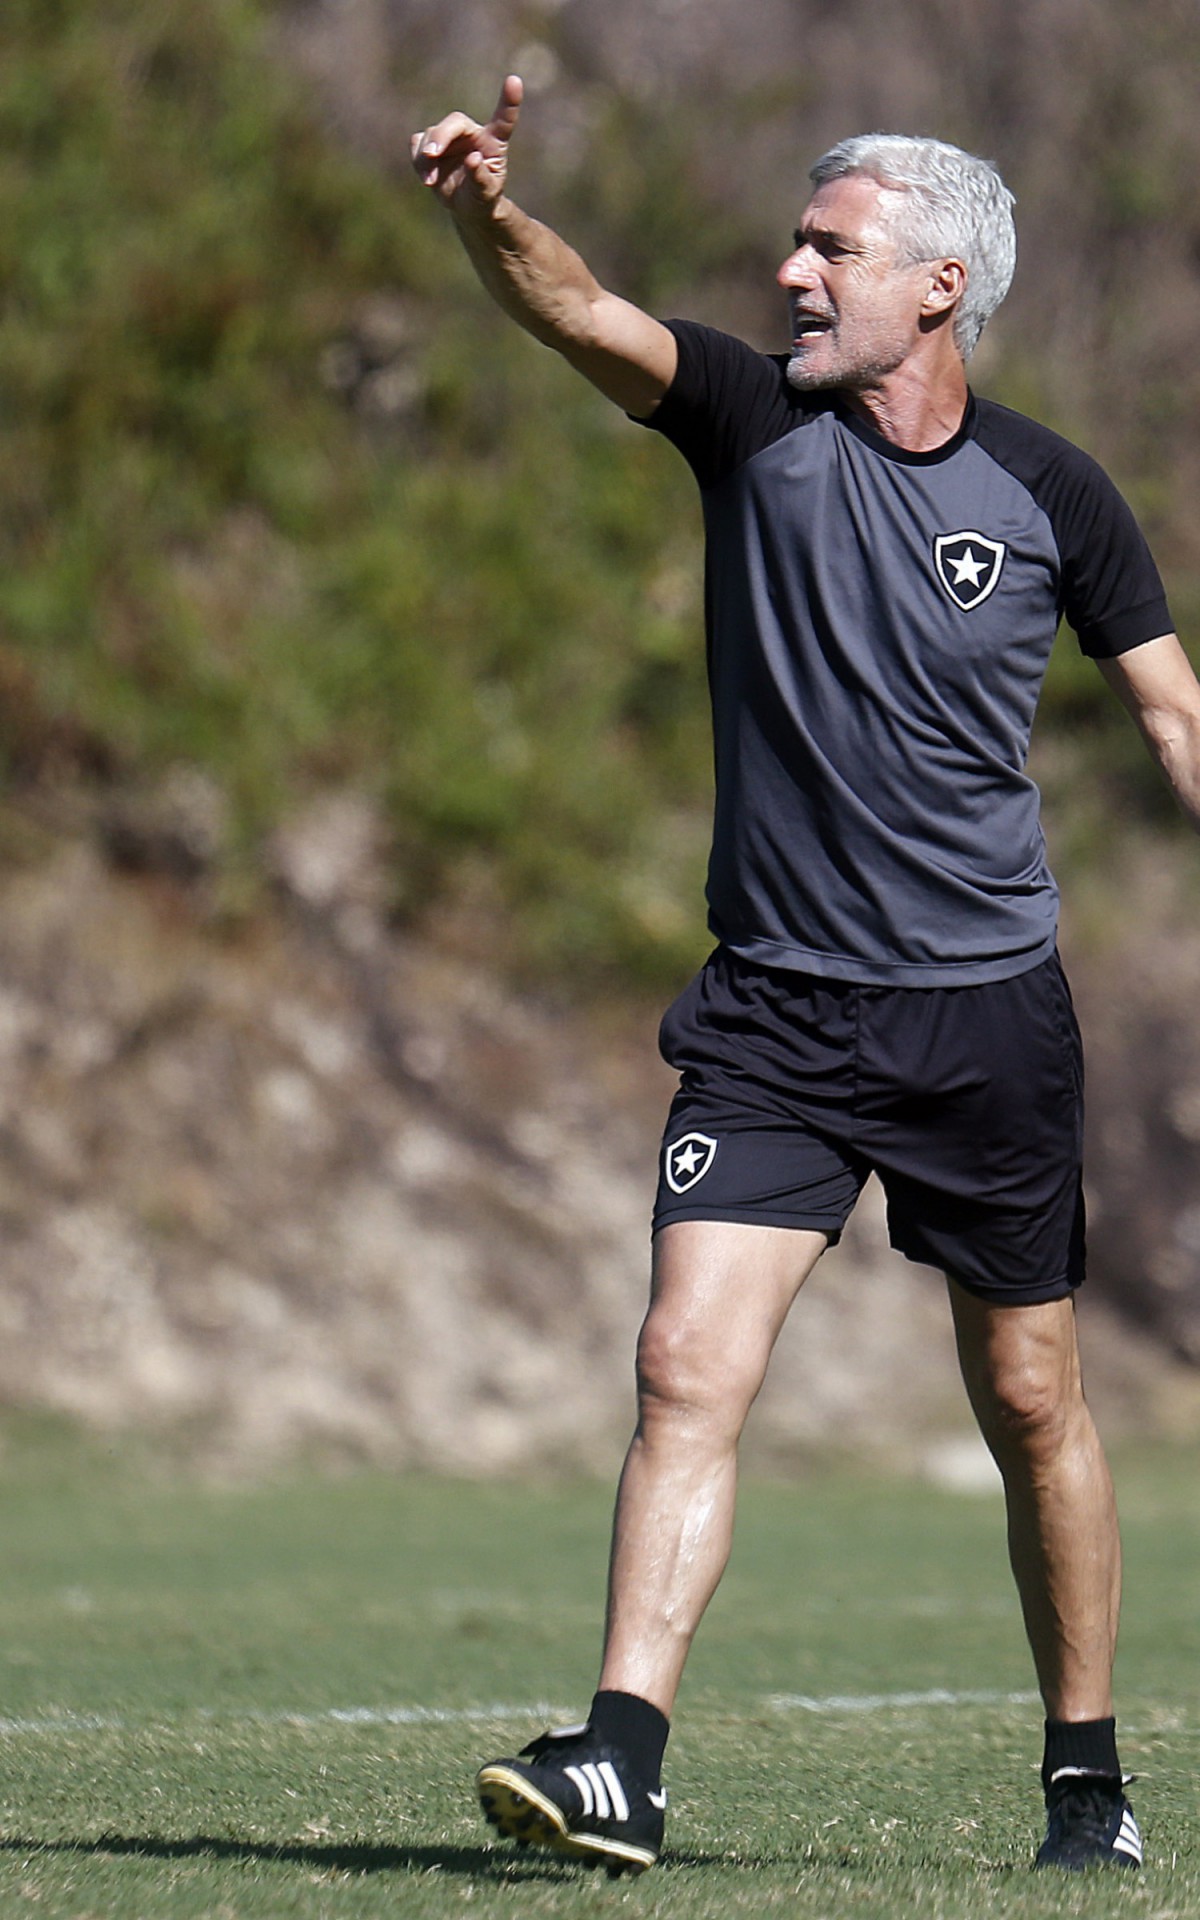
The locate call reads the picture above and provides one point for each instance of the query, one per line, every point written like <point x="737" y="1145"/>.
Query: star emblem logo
<point x="688" y="1159"/>
<point x="968" y="565"/>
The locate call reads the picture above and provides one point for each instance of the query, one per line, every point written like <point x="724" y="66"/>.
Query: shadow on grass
<point x="362" y="1857"/>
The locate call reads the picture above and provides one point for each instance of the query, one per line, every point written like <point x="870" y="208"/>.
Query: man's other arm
<point x="1157" y="685"/>
<point x="530" y="272"/>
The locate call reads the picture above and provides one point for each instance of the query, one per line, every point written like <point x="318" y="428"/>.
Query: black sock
<point x="1089" y="1746"/>
<point x="635" y="1728"/>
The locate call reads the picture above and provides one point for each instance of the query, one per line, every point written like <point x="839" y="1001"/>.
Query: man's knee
<point x="683" y="1369"/>
<point x="1030" y="1406"/>
<point x="1021" y="1368"/>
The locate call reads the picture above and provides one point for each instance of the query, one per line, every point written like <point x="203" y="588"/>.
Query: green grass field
<point x="270" y="1700"/>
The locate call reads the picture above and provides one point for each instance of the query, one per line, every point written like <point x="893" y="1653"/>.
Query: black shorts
<point x="966" y="1101"/>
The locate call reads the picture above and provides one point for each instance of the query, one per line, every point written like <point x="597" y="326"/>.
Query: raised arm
<point x="1156" y="683"/>
<point x="530" y="272"/>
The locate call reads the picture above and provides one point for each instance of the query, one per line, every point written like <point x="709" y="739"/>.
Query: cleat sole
<point x="516" y="1808"/>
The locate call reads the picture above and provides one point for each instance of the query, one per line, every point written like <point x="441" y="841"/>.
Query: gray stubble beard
<point x="855" y="380"/>
<point x="798" y="375"/>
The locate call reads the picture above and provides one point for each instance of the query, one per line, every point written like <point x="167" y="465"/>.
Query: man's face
<point x="855" y="311"/>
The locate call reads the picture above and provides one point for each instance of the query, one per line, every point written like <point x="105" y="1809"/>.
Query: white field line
<point x="417" y="1716"/>
<point x="392" y="1716"/>
<point x="283" y="1717"/>
<point x="880" y="1702"/>
<point x="60" y="1723"/>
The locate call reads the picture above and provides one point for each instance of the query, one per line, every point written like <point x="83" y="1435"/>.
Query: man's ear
<point x="947" y="284"/>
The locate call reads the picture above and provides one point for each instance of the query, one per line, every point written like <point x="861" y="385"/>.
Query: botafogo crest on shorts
<point x="687" y="1159"/>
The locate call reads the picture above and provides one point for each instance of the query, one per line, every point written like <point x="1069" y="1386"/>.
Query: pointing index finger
<point x="508" y="108"/>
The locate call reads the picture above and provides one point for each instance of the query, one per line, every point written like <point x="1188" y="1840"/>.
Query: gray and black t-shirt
<point x="879" y="624"/>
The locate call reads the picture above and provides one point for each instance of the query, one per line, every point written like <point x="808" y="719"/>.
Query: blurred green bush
<point x="281" y="497"/>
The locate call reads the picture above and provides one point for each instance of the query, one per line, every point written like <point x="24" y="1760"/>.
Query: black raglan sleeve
<point x="726" y="402"/>
<point x="1112" y="594"/>
<point x="1110" y="591"/>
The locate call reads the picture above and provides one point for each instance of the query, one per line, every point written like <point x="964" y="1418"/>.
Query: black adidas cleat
<point x="567" y="1791"/>
<point x="1090" y="1824"/>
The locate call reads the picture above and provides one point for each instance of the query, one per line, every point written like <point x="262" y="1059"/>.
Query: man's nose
<point x="798" y="269"/>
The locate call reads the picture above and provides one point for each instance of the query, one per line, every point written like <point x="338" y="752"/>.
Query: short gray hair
<point x="956" y="206"/>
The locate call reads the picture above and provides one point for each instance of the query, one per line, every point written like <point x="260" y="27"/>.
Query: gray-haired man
<point x="888" y="561"/>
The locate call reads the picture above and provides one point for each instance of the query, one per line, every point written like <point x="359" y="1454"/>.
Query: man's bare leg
<point x="720" y="1295"/>
<point x="1021" y="1369"/>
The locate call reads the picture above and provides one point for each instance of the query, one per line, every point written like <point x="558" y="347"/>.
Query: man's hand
<point x="464" y="163"/>
<point x="534" y="276"/>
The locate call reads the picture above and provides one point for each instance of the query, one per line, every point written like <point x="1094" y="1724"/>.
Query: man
<point x="888" y="560"/>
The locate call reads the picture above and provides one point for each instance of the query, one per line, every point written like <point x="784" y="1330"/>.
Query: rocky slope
<point x="318" y="1187"/>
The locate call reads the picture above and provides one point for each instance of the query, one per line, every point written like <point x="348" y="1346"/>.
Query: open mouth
<point x="807" y="326"/>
